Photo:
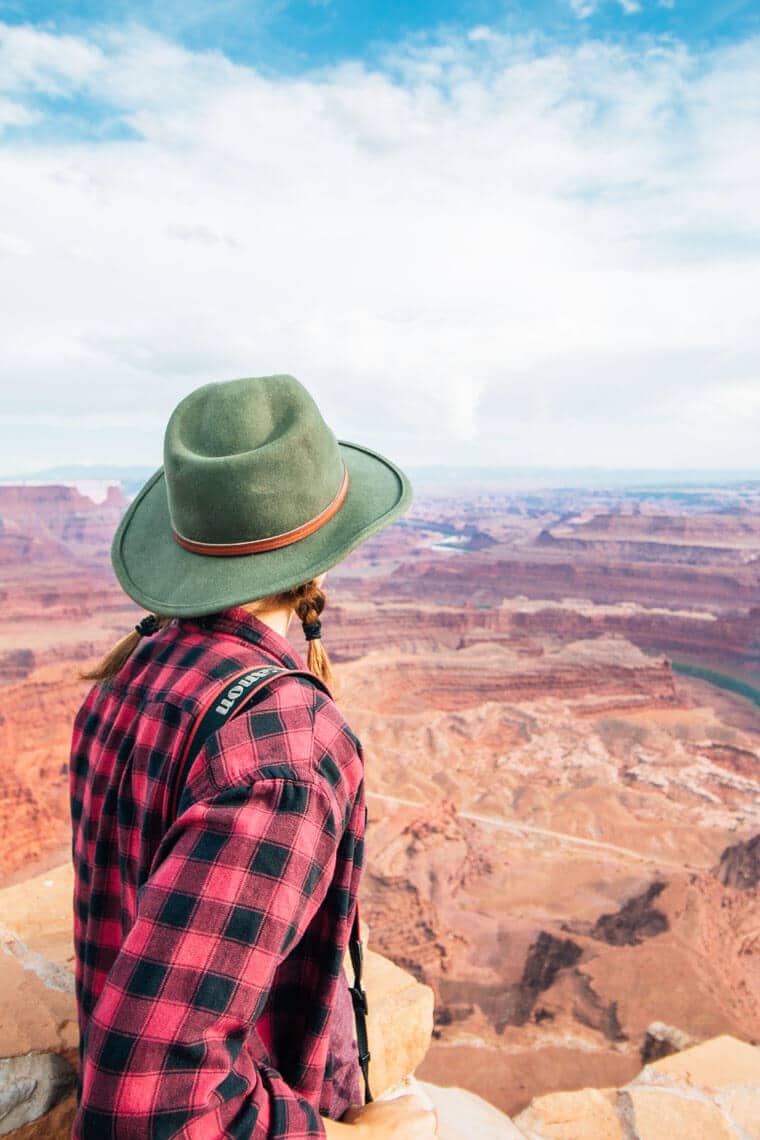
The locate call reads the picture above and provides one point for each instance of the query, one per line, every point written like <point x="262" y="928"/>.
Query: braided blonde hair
<point x="109" y="666"/>
<point x="307" y="601"/>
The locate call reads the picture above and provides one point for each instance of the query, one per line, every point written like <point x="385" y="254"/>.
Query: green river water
<point x="721" y="680"/>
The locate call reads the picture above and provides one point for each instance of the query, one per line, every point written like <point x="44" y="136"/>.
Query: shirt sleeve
<point x="238" y="879"/>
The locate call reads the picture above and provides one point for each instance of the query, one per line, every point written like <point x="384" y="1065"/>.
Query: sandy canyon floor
<point x="561" y="817"/>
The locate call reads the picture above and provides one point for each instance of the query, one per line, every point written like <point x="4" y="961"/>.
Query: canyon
<point x="563" y="824"/>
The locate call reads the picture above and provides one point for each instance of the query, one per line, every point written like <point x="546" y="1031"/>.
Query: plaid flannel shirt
<point x="209" y="950"/>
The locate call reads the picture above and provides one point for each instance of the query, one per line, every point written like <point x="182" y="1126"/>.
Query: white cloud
<point x="485" y="249"/>
<point x="80" y="420"/>
<point x="11" y="245"/>
<point x="36" y="61"/>
<point x="13" y="114"/>
<point x="480" y="34"/>
<point x="584" y="8"/>
<point x="203" y="234"/>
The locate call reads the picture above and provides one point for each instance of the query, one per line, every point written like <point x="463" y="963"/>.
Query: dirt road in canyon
<point x="564" y="837"/>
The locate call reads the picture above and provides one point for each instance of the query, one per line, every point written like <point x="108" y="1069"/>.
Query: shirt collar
<point x="239" y="622"/>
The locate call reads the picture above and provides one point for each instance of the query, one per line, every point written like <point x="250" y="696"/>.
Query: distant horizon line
<point x="448" y="473"/>
<point x="106" y="470"/>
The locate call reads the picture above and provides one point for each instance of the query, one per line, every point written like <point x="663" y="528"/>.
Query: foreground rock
<point x="30" y="1086"/>
<point x="400" y="1021"/>
<point x="708" y="1092"/>
<point x="38" y="1047"/>
<point x="462" y="1115"/>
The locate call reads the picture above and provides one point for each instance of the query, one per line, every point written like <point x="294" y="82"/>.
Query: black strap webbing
<point x="237" y="693"/>
<point x="359" y="1000"/>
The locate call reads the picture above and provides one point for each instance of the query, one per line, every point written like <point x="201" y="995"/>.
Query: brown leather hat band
<point x="258" y="546"/>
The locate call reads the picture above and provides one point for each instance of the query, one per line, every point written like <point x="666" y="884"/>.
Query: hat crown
<point x="247" y="460"/>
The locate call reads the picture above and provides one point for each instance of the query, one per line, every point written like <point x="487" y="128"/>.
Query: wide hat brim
<point x="163" y="577"/>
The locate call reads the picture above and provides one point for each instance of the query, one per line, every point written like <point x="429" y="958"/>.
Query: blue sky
<point x="289" y="36"/>
<point x="512" y="234"/>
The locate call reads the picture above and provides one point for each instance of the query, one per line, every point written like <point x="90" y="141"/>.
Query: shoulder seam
<point x="312" y="781"/>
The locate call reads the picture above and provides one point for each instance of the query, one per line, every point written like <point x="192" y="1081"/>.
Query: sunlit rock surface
<point x="708" y="1092"/>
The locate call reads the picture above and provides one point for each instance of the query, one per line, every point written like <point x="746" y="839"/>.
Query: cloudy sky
<point x="494" y="233"/>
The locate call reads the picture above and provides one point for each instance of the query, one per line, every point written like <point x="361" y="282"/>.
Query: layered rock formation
<point x="35" y="735"/>
<point x="699" y="549"/>
<point x="45" y="523"/>
<point x="563" y="831"/>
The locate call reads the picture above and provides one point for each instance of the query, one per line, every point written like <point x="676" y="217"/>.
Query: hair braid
<point x="110" y="665"/>
<point x="308" y="601"/>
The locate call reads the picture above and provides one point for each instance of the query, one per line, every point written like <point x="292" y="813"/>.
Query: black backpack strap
<point x="237" y="693"/>
<point x="359" y="1001"/>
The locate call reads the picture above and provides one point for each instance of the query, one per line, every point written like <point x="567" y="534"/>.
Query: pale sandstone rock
<point x="34" y="1017"/>
<point x="742" y="1106"/>
<point x="708" y="1092"/>
<point x="400" y="1022"/>
<point x="38" y="911"/>
<point x="30" y="1086"/>
<point x="713" y="1064"/>
<point x="661" y="1114"/>
<point x="462" y="1115"/>
<point x="51" y="974"/>
<point x="508" y="1078"/>
<point x="587" y="1114"/>
<point x="39" y="1023"/>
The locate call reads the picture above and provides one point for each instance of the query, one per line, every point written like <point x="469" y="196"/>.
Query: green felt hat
<point x="256" y="495"/>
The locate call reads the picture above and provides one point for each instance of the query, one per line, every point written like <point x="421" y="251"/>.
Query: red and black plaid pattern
<point x="209" y="950"/>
